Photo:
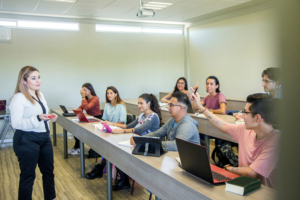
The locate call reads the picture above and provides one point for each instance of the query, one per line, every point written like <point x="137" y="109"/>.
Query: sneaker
<point x="75" y="152"/>
<point x="71" y="150"/>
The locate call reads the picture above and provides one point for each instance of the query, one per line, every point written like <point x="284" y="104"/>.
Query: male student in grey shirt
<point x="180" y="125"/>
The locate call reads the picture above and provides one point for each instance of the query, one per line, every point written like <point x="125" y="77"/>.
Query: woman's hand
<point x="132" y="142"/>
<point x="44" y="117"/>
<point x="108" y="123"/>
<point x="238" y="116"/>
<point x="117" y="131"/>
<point x="54" y="117"/>
<point x="82" y="92"/>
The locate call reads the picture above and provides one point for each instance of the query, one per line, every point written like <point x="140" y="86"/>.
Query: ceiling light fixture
<point x="161" y="3"/>
<point x="67" y="1"/>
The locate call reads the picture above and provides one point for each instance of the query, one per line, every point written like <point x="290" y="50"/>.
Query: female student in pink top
<point x="91" y="104"/>
<point x="216" y="101"/>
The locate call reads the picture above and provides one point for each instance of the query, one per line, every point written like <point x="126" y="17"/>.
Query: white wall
<point x="236" y="50"/>
<point x="134" y="63"/>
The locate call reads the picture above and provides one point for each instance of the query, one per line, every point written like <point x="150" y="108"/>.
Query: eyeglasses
<point x="266" y="81"/>
<point x="171" y="105"/>
<point x="180" y="83"/>
<point x="244" y="112"/>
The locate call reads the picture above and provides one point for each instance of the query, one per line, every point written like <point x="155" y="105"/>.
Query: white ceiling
<point x="182" y="10"/>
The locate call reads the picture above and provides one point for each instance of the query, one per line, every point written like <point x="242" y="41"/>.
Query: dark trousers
<point x="33" y="148"/>
<point x="77" y="142"/>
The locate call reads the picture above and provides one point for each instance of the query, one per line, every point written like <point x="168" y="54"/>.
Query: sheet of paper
<point x="125" y="143"/>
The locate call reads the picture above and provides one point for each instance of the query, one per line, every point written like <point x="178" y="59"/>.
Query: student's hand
<point x="54" y="117"/>
<point x="82" y="92"/>
<point x="117" y="131"/>
<point x="238" y="116"/>
<point x="132" y="142"/>
<point x="196" y="100"/>
<point x="108" y="123"/>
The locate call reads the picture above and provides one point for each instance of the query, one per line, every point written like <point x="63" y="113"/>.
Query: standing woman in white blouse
<point x="32" y="144"/>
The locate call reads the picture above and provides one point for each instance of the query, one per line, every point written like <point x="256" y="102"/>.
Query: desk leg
<point x="109" y="180"/>
<point x="6" y="128"/>
<point x="65" y="133"/>
<point x="207" y="143"/>
<point x="82" y="159"/>
<point x="54" y="133"/>
<point x="3" y="128"/>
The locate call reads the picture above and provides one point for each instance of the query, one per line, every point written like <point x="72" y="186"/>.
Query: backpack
<point x="92" y="154"/>
<point x="225" y="155"/>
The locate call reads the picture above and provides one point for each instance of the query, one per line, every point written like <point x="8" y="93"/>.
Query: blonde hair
<point x="21" y="87"/>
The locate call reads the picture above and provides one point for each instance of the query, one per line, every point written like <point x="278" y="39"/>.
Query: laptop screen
<point x="194" y="159"/>
<point x="63" y="109"/>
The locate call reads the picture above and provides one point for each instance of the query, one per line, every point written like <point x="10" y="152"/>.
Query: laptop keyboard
<point x="220" y="177"/>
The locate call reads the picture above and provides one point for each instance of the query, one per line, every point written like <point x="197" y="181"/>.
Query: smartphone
<point x="196" y="90"/>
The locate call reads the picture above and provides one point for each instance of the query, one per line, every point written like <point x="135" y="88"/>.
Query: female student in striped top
<point x="114" y="111"/>
<point x="91" y="104"/>
<point x="32" y="144"/>
<point x="148" y="121"/>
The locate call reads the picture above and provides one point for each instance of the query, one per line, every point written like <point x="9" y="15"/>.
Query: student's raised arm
<point x="219" y="123"/>
<point x="166" y="99"/>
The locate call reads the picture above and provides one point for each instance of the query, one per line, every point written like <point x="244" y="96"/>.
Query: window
<point x="49" y="25"/>
<point x="137" y="29"/>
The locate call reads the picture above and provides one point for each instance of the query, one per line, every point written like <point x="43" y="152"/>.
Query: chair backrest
<point x="129" y="119"/>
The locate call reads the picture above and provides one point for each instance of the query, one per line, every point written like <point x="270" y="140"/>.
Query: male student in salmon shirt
<point x="257" y="139"/>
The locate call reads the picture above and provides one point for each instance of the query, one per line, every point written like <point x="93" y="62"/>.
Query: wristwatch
<point x="226" y="167"/>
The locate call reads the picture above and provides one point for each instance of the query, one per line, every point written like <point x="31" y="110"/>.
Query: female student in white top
<point x="114" y="111"/>
<point x="181" y="86"/>
<point x="31" y="143"/>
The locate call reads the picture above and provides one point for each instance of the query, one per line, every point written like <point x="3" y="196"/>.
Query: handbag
<point x="225" y="155"/>
<point x="2" y="104"/>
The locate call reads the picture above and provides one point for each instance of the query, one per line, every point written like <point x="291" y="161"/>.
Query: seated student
<point x="180" y="125"/>
<point x="215" y="101"/>
<point x="114" y="111"/>
<point x="181" y="86"/>
<point x="257" y="139"/>
<point x="148" y="121"/>
<point x="91" y="104"/>
<point x="271" y="84"/>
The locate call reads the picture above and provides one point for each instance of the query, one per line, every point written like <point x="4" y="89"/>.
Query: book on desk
<point x="243" y="185"/>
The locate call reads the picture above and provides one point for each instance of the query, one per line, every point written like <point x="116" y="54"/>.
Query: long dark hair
<point x="154" y="106"/>
<point x="216" y="81"/>
<point x="118" y="98"/>
<point x="90" y="88"/>
<point x="185" y="86"/>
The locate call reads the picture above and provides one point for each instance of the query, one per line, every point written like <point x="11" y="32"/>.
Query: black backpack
<point x="225" y="155"/>
<point x="92" y="154"/>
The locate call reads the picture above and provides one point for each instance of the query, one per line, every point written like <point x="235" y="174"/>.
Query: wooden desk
<point x="162" y="176"/>
<point x="231" y="103"/>
<point x="204" y="127"/>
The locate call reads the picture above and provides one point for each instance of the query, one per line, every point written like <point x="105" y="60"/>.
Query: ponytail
<point x="154" y="106"/>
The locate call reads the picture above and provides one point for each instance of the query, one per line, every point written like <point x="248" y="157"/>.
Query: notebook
<point x="194" y="159"/>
